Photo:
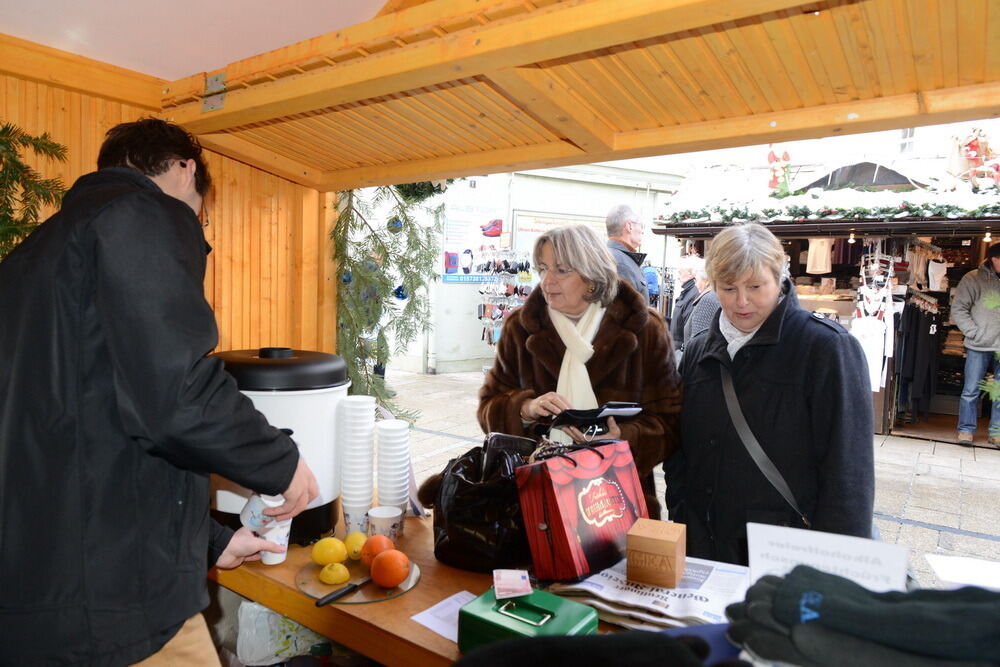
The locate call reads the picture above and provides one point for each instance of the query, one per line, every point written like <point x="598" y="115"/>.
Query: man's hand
<point x="300" y="492"/>
<point x="245" y="546"/>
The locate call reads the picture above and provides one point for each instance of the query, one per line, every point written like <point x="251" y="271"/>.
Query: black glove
<point x="953" y="625"/>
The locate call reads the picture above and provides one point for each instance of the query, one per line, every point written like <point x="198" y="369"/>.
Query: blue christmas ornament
<point x="347" y="277"/>
<point x="400" y="293"/>
<point x="394" y="225"/>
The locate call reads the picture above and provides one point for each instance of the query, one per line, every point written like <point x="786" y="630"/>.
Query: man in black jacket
<point x="112" y="417"/>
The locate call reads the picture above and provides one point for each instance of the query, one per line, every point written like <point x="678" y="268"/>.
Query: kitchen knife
<point x="346" y="590"/>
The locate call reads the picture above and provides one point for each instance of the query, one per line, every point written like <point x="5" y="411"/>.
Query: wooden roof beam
<point x="548" y="33"/>
<point x="554" y="104"/>
<point x="536" y="156"/>
<point x="256" y="156"/>
<point x="35" y="62"/>
<point x="909" y="110"/>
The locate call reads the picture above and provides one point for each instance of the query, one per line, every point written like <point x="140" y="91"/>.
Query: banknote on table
<point x="510" y="583"/>
<point x="701" y="596"/>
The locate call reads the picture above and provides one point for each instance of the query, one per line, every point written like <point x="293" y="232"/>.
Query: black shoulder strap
<point x="753" y="447"/>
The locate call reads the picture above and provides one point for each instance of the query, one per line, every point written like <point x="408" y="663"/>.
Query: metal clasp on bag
<point x="513" y="606"/>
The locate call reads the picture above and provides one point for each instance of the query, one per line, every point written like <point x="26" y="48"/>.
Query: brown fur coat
<point x="633" y="361"/>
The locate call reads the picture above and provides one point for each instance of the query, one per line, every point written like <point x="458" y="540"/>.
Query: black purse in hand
<point x="477" y="514"/>
<point x="591" y="423"/>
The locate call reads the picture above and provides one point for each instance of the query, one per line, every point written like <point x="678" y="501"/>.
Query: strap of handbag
<point x="757" y="453"/>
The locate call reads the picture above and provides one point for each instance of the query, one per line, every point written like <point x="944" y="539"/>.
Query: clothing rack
<point x="914" y="241"/>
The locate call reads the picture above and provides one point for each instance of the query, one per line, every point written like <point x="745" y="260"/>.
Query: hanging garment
<point x="820" y="251"/>
<point x="937" y="271"/>
<point x="870" y="332"/>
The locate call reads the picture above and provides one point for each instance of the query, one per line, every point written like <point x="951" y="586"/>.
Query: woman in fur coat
<point x="584" y="338"/>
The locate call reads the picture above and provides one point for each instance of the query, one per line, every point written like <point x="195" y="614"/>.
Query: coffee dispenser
<point x="298" y="391"/>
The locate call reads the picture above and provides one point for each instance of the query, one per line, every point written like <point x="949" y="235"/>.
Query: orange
<point x="390" y="568"/>
<point x="374" y="546"/>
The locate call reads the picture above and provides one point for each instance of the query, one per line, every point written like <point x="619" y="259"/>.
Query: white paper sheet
<point x="878" y="566"/>
<point x="442" y="618"/>
<point x="958" y="571"/>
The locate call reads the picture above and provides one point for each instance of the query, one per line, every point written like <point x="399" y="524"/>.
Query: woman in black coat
<point x="802" y="384"/>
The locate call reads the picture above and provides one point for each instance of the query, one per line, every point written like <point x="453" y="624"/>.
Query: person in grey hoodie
<point x="624" y="239"/>
<point x="976" y="311"/>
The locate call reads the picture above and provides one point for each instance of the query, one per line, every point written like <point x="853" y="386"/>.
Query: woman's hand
<point x="545" y="405"/>
<point x="243" y="547"/>
<point x="614" y="433"/>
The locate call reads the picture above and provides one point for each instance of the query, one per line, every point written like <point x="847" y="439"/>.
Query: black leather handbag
<point x="477" y="514"/>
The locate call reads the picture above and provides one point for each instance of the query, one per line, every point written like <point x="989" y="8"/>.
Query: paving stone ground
<point x="934" y="497"/>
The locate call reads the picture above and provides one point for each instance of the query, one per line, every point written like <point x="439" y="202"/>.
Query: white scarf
<point x="735" y="338"/>
<point x="574" y="380"/>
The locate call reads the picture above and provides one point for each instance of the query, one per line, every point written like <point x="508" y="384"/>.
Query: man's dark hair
<point x="148" y="145"/>
<point x="993" y="250"/>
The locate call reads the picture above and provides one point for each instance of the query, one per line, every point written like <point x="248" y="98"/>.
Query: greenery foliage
<point x="23" y="191"/>
<point x="385" y="267"/>
<point x="801" y="212"/>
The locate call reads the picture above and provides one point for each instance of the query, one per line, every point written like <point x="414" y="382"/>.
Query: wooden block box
<point x="655" y="552"/>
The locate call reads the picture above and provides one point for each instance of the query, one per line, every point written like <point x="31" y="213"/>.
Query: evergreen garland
<point x="23" y="191"/>
<point x="801" y="212"/>
<point x="385" y="267"/>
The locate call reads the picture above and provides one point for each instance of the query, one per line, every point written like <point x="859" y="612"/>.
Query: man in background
<point x="976" y="311"/>
<point x="113" y="417"/>
<point x="624" y="240"/>
<point x="686" y="270"/>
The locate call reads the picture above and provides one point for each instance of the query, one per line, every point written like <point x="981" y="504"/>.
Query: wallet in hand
<point x="595" y="421"/>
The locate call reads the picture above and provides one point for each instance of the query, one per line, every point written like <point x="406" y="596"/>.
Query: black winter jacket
<point x="111" y="416"/>
<point x="803" y="385"/>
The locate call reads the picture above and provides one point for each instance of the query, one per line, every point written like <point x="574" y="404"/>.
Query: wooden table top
<point x="383" y="631"/>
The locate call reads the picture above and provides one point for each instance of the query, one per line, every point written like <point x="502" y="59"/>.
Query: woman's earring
<point x="591" y="288"/>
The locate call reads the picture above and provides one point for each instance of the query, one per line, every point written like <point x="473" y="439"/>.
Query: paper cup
<point x="356" y="517"/>
<point x="277" y="532"/>
<point x="386" y="521"/>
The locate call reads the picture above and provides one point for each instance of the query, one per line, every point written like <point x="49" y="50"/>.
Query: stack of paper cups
<point x="253" y="517"/>
<point x="357" y="453"/>
<point x="393" y="444"/>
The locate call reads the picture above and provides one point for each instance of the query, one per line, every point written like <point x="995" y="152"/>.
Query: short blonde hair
<point x="745" y="249"/>
<point x="579" y="248"/>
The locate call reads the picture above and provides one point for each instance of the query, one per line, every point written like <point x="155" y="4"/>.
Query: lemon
<point x="354" y="543"/>
<point x="329" y="550"/>
<point x="334" y="573"/>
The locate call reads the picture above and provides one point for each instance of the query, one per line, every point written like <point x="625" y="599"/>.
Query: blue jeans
<point x="976" y="365"/>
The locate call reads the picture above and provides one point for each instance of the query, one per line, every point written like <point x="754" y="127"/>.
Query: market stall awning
<point x="458" y="87"/>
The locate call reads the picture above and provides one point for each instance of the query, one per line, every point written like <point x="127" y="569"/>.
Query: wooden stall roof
<point x="458" y="87"/>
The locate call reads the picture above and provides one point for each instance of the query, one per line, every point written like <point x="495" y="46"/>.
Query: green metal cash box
<point x="539" y="614"/>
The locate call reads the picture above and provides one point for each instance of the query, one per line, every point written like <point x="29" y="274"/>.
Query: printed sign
<point x="877" y="566"/>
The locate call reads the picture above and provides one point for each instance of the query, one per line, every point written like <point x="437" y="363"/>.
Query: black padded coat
<point x="111" y="416"/>
<point x="803" y="386"/>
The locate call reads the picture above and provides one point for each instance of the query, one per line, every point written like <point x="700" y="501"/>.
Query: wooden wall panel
<point x="270" y="275"/>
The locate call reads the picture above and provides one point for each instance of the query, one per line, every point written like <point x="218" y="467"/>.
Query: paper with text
<point x="877" y="566"/>
<point x="442" y="618"/>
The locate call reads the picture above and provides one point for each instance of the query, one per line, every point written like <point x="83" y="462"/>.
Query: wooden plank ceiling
<point x="458" y="87"/>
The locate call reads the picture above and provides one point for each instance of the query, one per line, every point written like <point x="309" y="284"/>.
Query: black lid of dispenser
<point x="284" y="369"/>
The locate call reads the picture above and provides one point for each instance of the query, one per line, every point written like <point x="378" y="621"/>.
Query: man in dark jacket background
<point x="624" y="241"/>
<point x="113" y="416"/>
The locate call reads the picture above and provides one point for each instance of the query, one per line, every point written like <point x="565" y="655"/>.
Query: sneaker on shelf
<point x="965" y="438"/>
